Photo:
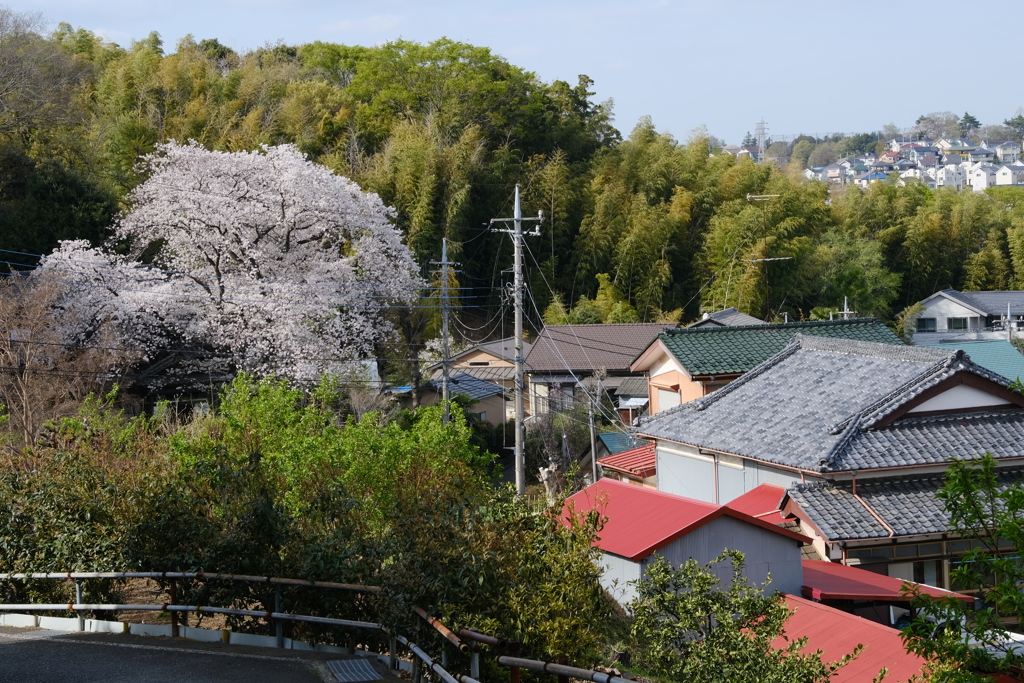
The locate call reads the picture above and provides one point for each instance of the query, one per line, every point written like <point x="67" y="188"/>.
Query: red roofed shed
<point x="636" y="464"/>
<point x="642" y="522"/>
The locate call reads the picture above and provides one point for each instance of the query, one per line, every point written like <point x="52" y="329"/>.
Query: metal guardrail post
<point x="393" y="653"/>
<point x="474" y="662"/>
<point x="416" y="674"/>
<point x="444" y="656"/>
<point x="78" y="600"/>
<point x="278" y="624"/>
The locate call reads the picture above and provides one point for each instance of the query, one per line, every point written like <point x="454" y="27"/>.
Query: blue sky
<point x="805" y="67"/>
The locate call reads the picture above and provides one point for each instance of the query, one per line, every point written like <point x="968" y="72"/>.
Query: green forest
<point x="639" y="225"/>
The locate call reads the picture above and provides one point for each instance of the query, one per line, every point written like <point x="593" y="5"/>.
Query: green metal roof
<point x="997" y="355"/>
<point x="734" y="350"/>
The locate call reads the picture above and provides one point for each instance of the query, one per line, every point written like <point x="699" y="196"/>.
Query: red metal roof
<point x="825" y="580"/>
<point x="641" y="520"/>
<point x="837" y="633"/>
<point x="639" y="462"/>
<point x="761" y="502"/>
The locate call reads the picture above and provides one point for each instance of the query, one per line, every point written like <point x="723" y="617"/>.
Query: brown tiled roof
<point x="586" y="348"/>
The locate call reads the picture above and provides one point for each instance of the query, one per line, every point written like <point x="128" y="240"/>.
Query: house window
<point x="926" y="324"/>
<point x="956" y="323"/>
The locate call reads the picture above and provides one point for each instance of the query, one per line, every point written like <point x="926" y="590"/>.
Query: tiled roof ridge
<point x="813" y="486"/>
<point x="960" y="362"/>
<point x="796" y="324"/>
<point x="993" y="411"/>
<point x="879" y="403"/>
<point x="852" y="429"/>
<point x="666" y="325"/>
<point x="859" y="347"/>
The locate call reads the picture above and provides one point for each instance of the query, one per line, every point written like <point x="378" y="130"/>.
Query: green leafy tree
<point x="1017" y="124"/>
<point x="691" y="625"/>
<point x="968" y="124"/>
<point x="968" y="644"/>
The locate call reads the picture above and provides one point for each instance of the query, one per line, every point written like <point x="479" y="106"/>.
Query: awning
<point x="632" y="403"/>
<point x="825" y="580"/>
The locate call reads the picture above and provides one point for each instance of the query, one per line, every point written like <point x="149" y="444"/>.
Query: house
<point x="1008" y="152"/>
<point x="981" y="176"/>
<point x="493" y="361"/>
<point x="1010" y="175"/>
<point x="642" y="523"/>
<point x="950" y="175"/>
<point x="727" y="317"/>
<point x="870" y="179"/>
<point x="564" y="356"/>
<point x="952" y="315"/>
<point x="684" y="364"/>
<point x="859" y="433"/>
<point x="490" y="401"/>
<point x="632" y="399"/>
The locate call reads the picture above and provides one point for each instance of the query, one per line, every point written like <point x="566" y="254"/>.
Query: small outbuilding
<point x="642" y="522"/>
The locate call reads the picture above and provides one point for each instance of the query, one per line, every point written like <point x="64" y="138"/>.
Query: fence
<point x="420" y="658"/>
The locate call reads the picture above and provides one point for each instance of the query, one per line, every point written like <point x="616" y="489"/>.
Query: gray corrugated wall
<point x="619" y="573"/>
<point x="695" y="478"/>
<point x="765" y="551"/>
<point x="685" y="476"/>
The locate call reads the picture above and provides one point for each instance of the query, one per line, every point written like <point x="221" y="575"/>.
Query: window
<point x="956" y="323"/>
<point x="926" y="324"/>
<point x="479" y="362"/>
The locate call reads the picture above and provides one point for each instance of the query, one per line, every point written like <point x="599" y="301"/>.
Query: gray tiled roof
<point x="906" y="504"/>
<point x="637" y="386"/>
<point x="992" y="303"/>
<point x="586" y="348"/>
<point x="816" y="405"/>
<point x="504" y="349"/>
<point x="727" y="316"/>
<point x="466" y="384"/>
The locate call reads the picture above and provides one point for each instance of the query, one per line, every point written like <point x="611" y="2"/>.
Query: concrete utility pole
<point x="445" y="350"/>
<point x="517" y="299"/>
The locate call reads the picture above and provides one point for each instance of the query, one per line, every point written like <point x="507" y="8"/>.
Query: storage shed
<point x="643" y="522"/>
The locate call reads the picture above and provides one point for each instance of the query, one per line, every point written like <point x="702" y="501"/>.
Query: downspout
<point x="714" y="469"/>
<point x="867" y="507"/>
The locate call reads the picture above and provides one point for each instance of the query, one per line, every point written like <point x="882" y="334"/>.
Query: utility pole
<point x="446" y="356"/>
<point x="517" y="300"/>
<point x="593" y="441"/>
<point x="445" y="349"/>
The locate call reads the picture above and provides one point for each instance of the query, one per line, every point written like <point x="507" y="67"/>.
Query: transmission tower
<point x="761" y="133"/>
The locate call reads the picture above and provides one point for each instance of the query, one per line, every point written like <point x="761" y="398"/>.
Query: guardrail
<point x="276" y="616"/>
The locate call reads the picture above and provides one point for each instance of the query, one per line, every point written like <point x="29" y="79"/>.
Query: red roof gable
<point x="639" y="462"/>
<point x="836" y="633"/>
<point x="641" y="520"/>
<point x="830" y="581"/>
<point x="761" y="502"/>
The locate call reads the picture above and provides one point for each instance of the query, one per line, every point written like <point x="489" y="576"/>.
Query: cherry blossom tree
<point x="259" y="261"/>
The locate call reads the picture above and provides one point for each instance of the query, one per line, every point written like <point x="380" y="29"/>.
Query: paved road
<point x="38" y="656"/>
